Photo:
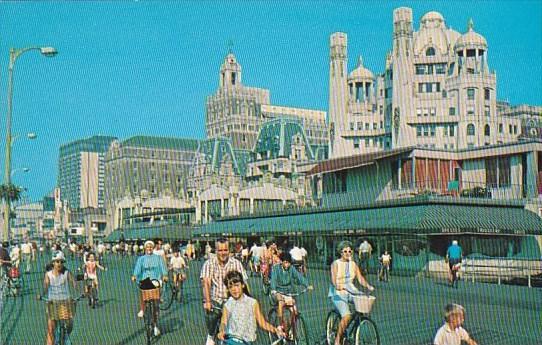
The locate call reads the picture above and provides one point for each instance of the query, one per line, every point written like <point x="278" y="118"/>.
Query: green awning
<point x="428" y="218"/>
<point x="165" y="232"/>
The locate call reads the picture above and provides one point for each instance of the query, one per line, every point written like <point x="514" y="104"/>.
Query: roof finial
<point x="360" y="61"/>
<point x="470" y="25"/>
<point x="230" y="46"/>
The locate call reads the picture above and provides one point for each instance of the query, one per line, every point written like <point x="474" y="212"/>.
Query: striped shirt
<point x="215" y="272"/>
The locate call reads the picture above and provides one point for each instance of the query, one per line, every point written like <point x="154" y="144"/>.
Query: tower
<point x="230" y="72"/>
<point x="338" y="96"/>
<point x="402" y="86"/>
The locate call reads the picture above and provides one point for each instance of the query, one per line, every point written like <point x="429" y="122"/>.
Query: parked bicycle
<point x="63" y="313"/>
<point x="361" y="330"/>
<point x="292" y="322"/>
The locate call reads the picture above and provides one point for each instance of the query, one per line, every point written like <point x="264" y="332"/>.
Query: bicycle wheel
<point x="301" y="334"/>
<point x="93" y="297"/>
<point x="180" y="291"/>
<point x="166" y="296"/>
<point x="366" y="333"/>
<point x="273" y="318"/>
<point x="332" y="322"/>
<point x="62" y="333"/>
<point x="148" y="316"/>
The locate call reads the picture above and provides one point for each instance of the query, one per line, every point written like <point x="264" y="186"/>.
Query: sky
<point x="129" y="68"/>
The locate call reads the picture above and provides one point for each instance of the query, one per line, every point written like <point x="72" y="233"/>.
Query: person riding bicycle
<point x="385" y="262"/>
<point x="149" y="266"/>
<point x="283" y="279"/>
<point x="343" y="273"/>
<point x="56" y="286"/>
<point x="299" y="258"/>
<point x="177" y="266"/>
<point x="454" y="255"/>
<point x="241" y="313"/>
<point x="215" y="292"/>
<point x="90" y="271"/>
<point x="452" y="332"/>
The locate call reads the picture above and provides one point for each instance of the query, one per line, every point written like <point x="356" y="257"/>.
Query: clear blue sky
<point x="145" y="68"/>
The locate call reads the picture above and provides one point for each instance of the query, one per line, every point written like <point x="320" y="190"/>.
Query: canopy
<point x="415" y="218"/>
<point x="165" y="232"/>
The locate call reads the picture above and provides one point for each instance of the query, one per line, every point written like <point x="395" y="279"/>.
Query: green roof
<point x="97" y="143"/>
<point x="415" y="218"/>
<point x="216" y="151"/>
<point x="276" y="136"/>
<point x="162" y="143"/>
<point x="165" y="232"/>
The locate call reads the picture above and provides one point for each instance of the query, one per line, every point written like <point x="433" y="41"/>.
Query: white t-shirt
<point x="365" y="247"/>
<point x="296" y="253"/>
<point x="177" y="262"/>
<point x="26" y="248"/>
<point x="15" y="253"/>
<point x="386" y="258"/>
<point x="446" y="336"/>
<point x="101" y="248"/>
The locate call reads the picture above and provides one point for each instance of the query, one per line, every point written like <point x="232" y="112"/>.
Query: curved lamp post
<point x="13" y="55"/>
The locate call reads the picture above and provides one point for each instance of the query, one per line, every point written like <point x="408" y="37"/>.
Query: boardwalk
<point x="408" y="311"/>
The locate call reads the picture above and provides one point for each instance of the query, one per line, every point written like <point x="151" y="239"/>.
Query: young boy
<point x="451" y="333"/>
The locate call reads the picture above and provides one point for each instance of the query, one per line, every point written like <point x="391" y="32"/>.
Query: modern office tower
<point x="81" y="166"/>
<point x="237" y="112"/>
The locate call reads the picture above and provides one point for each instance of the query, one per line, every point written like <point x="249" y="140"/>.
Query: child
<point x="241" y="312"/>
<point x="90" y="267"/>
<point x="385" y="261"/>
<point x="451" y="333"/>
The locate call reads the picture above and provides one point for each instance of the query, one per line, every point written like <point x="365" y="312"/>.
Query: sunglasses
<point x="347" y="251"/>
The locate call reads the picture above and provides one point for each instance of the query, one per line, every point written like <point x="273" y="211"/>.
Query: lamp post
<point x="13" y="55"/>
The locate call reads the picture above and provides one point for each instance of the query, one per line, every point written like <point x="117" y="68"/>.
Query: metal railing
<point x="503" y="270"/>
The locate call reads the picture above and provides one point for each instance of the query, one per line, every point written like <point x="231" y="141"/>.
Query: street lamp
<point x="13" y="55"/>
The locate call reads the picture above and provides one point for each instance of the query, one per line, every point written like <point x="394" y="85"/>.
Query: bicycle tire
<point x="93" y="297"/>
<point x="332" y="322"/>
<point x="166" y="296"/>
<point x="273" y="318"/>
<point x="301" y="334"/>
<point x="147" y="317"/>
<point x="366" y="332"/>
<point x="180" y="292"/>
<point x="62" y="333"/>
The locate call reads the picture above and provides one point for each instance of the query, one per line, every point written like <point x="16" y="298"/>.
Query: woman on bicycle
<point x="56" y="286"/>
<point x="241" y="313"/>
<point x="90" y="271"/>
<point x="149" y="266"/>
<point x="343" y="273"/>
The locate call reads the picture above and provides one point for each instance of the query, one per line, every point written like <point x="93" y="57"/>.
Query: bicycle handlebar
<point x="294" y="294"/>
<point x="45" y="299"/>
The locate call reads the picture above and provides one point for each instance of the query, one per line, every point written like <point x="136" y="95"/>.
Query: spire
<point x="360" y="61"/>
<point x="230" y="46"/>
<point x="470" y="25"/>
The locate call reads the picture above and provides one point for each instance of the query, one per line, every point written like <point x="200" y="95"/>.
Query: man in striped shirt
<point x="212" y="277"/>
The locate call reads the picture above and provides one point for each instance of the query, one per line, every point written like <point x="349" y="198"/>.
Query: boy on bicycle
<point x="283" y="279"/>
<point x="452" y="332"/>
<point x="177" y="266"/>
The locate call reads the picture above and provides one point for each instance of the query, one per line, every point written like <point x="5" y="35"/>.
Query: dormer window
<point x="430" y="51"/>
<point x="233" y="75"/>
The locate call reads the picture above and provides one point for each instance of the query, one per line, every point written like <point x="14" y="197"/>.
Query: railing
<point x="501" y="270"/>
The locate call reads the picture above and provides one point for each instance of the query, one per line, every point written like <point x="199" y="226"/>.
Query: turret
<point x="230" y="72"/>
<point x="338" y="96"/>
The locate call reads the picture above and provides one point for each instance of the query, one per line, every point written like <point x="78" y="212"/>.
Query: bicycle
<point x="91" y="292"/>
<point x="384" y="272"/>
<point x="455" y="277"/>
<point x="151" y="301"/>
<point x="63" y="312"/>
<point x="292" y="322"/>
<point x="361" y="330"/>
<point x="166" y="296"/>
<point x="177" y="286"/>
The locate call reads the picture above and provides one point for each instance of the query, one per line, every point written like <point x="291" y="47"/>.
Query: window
<point x="366" y="142"/>
<point x="425" y="131"/>
<point x="440" y="68"/>
<point x="501" y="129"/>
<point x="430" y="51"/>
<point x="351" y="126"/>
<point x="451" y="111"/>
<point x="515" y="129"/>
<point x="510" y="129"/>
<point x="375" y="125"/>
<point x="233" y="75"/>
<point x="498" y="172"/>
<point x="367" y="126"/>
<point x="381" y="109"/>
<point x="418" y="131"/>
<point x="433" y="130"/>
<point x="470" y="110"/>
<point x="420" y="69"/>
<point x="452" y="131"/>
<point x="356" y="143"/>
<point x="360" y="125"/>
<point x="470" y="94"/>
<point x="487" y="94"/>
<point x="421" y="87"/>
<point x="433" y="111"/>
<point x="470" y="129"/>
<point x="419" y="111"/>
<point x="487" y="131"/>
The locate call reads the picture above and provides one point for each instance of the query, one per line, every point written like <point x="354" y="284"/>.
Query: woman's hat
<point x="344" y="244"/>
<point x="149" y="242"/>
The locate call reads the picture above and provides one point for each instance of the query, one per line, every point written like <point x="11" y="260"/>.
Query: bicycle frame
<point x="61" y="332"/>
<point x="295" y="317"/>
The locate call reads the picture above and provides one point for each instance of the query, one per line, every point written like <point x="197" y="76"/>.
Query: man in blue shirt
<point x="454" y="256"/>
<point x="149" y="266"/>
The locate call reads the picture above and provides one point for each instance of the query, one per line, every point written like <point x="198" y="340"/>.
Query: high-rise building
<point x="437" y="91"/>
<point x="237" y="111"/>
<point x="81" y="167"/>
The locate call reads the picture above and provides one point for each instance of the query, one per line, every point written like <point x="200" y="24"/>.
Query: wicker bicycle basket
<point x="151" y="294"/>
<point x="364" y="304"/>
<point x="61" y="310"/>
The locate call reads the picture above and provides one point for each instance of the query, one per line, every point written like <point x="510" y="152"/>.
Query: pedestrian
<point x="454" y="255"/>
<point x="365" y="251"/>
<point x="452" y="332"/>
<point x="215" y="292"/>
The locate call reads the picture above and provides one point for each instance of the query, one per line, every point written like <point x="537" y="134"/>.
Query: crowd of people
<point x="227" y="302"/>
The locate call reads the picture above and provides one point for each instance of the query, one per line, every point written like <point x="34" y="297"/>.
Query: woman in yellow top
<point x="343" y="273"/>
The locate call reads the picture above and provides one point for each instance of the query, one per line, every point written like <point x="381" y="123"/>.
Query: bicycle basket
<point x="363" y="304"/>
<point x="61" y="310"/>
<point x="150" y="294"/>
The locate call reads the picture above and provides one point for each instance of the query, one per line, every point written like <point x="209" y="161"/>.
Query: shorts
<point x="342" y="303"/>
<point x="256" y="260"/>
<point x="452" y="262"/>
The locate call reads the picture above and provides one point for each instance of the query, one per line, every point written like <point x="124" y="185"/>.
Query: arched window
<point x="487" y="131"/>
<point x="430" y="51"/>
<point x="470" y="129"/>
